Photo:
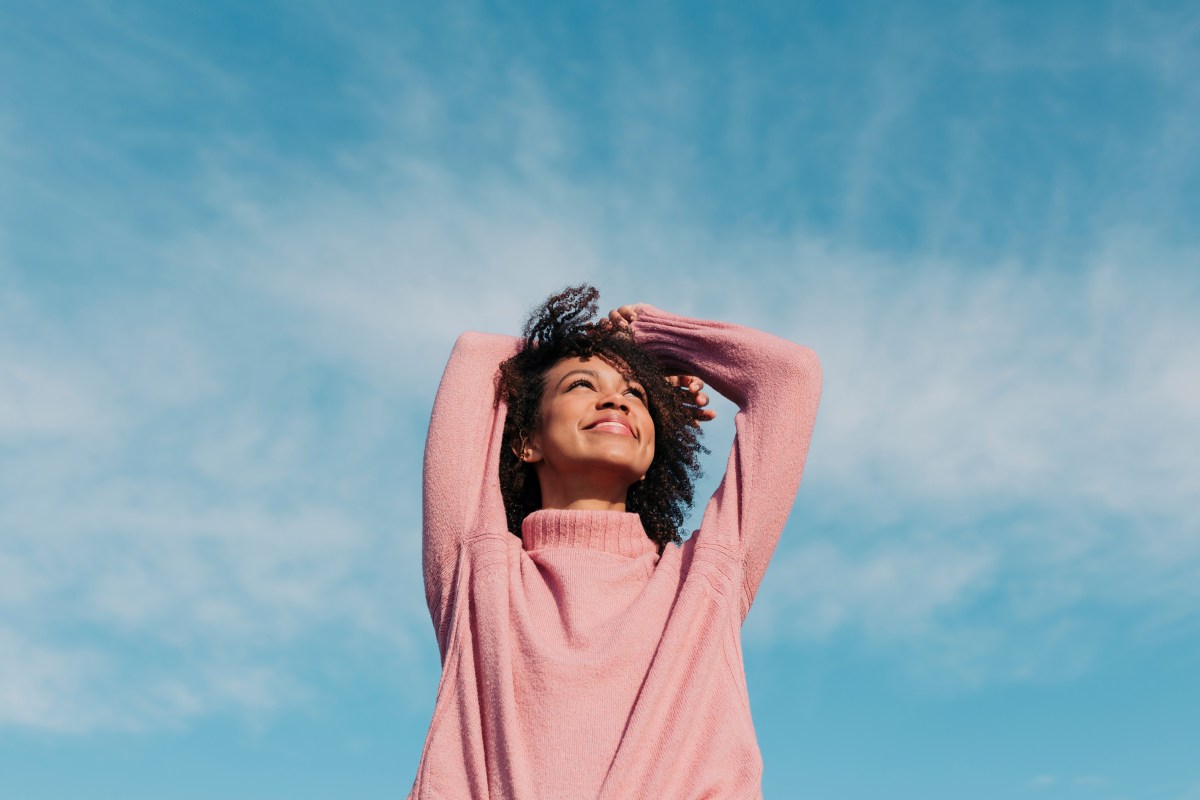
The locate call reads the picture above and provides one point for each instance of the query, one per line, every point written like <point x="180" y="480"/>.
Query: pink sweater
<point x="576" y="661"/>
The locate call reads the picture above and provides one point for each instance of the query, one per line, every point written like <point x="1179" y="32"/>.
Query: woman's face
<point x="593" y="422"/>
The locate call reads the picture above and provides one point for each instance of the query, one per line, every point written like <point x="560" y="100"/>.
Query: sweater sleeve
<point x="461" y="481"/>
<point x="776" y="385"/>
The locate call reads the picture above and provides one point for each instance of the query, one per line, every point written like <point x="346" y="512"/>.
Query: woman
<point x="586" y="652"/>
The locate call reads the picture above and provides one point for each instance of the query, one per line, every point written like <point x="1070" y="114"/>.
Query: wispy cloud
<point x="1020" y="434"/>
<point x="1010" y="439"/>
<point x="178" y="516"/>
<point x="952" y="399"/>
<point x="216" y="460"/>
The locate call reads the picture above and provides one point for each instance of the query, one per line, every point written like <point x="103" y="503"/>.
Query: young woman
<point x="586" y="651"/>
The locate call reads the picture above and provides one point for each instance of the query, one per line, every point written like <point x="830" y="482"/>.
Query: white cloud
<point x="63" y="689"/>
<point x="895" y="592"/>
<point x="44" y="394"/>
<point x="989" y="433"/>
<point x="39" y="684"/>
<point x="191" y="519"/>
<point x="951" y="397"/>
<point x="1007" y="450"/>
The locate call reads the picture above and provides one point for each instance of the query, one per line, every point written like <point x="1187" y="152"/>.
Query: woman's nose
<point x="614" y="401"/>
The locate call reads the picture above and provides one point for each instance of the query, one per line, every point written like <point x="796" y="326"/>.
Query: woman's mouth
<point x="611" y="426"/>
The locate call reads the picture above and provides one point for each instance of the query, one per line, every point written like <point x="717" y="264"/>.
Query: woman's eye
<point x="636" y="392"/>
<point x="580" y="382"/>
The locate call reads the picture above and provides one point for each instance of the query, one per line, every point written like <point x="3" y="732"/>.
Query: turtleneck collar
<point x="608" y="531"/>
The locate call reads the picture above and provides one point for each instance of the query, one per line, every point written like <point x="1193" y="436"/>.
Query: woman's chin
<point x="619" y="464"/>
<point x="608" y="469"/>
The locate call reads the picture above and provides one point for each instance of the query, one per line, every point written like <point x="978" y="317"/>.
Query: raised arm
<point x="460" y="467"/>
<point x="776" y="385"/>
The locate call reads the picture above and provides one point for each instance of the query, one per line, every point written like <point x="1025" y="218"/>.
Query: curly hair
<point x="564" y="327"/>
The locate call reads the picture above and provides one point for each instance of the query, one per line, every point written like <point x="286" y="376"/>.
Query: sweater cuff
<point x="673" y="339"/>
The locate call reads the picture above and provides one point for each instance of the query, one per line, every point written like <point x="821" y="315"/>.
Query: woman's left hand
<point x="697" y="399"/>
<point x="621" y="319"/>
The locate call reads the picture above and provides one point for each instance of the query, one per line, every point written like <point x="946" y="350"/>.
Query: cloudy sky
<point x="237" y="241"/>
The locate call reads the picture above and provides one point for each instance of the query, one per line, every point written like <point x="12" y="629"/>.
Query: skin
<point x="595" y="438"/>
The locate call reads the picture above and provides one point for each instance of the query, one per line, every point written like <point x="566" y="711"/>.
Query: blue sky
<point x="237" y="242"/>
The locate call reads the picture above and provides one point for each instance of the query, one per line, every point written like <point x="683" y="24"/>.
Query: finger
<point x="701" y="399"/>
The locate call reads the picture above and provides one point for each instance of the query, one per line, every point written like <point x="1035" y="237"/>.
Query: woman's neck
<point x="583" y="495"/>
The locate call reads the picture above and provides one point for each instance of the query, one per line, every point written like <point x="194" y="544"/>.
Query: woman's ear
<point x="527" y="449"/>
<point x="533" y="449"/>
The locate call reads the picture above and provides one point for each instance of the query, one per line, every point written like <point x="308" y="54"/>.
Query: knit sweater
<point x="578" y="662"/>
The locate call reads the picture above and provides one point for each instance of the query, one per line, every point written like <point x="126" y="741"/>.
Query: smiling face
<point x="594" y="425"/>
